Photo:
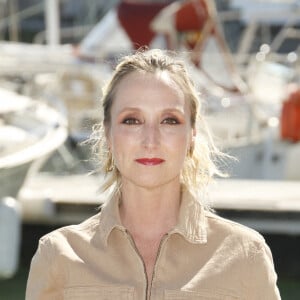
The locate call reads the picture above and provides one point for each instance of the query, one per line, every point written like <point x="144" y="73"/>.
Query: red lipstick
<point x="150" y="161"/>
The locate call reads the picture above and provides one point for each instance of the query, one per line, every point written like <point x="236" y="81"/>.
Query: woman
<point x="154" y="239"/>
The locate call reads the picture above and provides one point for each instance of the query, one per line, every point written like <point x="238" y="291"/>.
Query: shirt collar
<point x="110" y="217"/>
<point x="191" y="222"/>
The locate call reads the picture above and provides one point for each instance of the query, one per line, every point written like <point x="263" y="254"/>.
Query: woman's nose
<point x="151" y="136"/>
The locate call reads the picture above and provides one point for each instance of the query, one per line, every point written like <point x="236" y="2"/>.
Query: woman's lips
<point x="150" y="161"/>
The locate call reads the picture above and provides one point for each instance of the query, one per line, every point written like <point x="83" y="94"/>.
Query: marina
<point x="249" y="78"/>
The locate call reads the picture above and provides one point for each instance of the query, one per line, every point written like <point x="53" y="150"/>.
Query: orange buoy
<point x="290" y="117"/>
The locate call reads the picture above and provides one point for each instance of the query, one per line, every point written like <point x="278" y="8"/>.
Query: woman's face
<point x="150" y="131"/>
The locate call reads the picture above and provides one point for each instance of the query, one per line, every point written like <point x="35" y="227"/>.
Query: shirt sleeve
<point x="41" y="283"/>
<point x="262" y="275"/>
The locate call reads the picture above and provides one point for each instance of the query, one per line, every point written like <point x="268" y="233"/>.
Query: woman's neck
<point x="151" y="212"/>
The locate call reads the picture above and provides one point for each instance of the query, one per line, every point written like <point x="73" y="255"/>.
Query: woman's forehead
<point x="143" y="77"/>
<point x="151" y="93"/>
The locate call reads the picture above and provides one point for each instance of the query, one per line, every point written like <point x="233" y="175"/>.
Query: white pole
<point x="52" y="22"/>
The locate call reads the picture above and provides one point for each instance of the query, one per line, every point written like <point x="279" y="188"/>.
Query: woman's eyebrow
<point x="177" y="109"/>
<point x="130" y="109"/>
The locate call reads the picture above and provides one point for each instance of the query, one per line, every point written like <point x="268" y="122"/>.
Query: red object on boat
<point x="192" y="15"/>
<point x="192" y="19"/>
<point x="290" y="117"/>
<point x="135" y="18"/>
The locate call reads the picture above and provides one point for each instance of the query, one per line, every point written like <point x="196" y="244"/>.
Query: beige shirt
<point x="203" y="257"/>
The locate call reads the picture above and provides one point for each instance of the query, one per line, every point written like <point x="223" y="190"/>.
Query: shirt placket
<point x="148" y="285"/>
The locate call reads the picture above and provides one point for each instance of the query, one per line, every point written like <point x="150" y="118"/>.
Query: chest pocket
<point x="204" y="294"/>
<point x="101" y="292"/>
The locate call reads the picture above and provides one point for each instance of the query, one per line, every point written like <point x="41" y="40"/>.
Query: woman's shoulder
<point x="224" y="228"/>
<point x="71" y="233"/>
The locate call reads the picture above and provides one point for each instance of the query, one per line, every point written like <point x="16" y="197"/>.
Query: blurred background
<point x="55" y="57"/>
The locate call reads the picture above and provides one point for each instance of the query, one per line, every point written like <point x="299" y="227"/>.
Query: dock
<point x="268" y="206"/>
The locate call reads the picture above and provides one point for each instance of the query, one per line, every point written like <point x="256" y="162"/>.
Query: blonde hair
<point x="200" y="163"/>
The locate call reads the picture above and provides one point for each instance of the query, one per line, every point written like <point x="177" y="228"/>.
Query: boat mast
<point x="52" y="22"/>
<point x="14" y="19"/>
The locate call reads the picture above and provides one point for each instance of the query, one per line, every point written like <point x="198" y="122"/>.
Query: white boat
<point x="34" y="58"/>
<point x="29" y="130"/>
<point x="75" y="91"/>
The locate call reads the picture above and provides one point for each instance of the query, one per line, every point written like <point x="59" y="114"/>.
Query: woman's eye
<point x="130" y="121"/>
<point x="170" y="121"/>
